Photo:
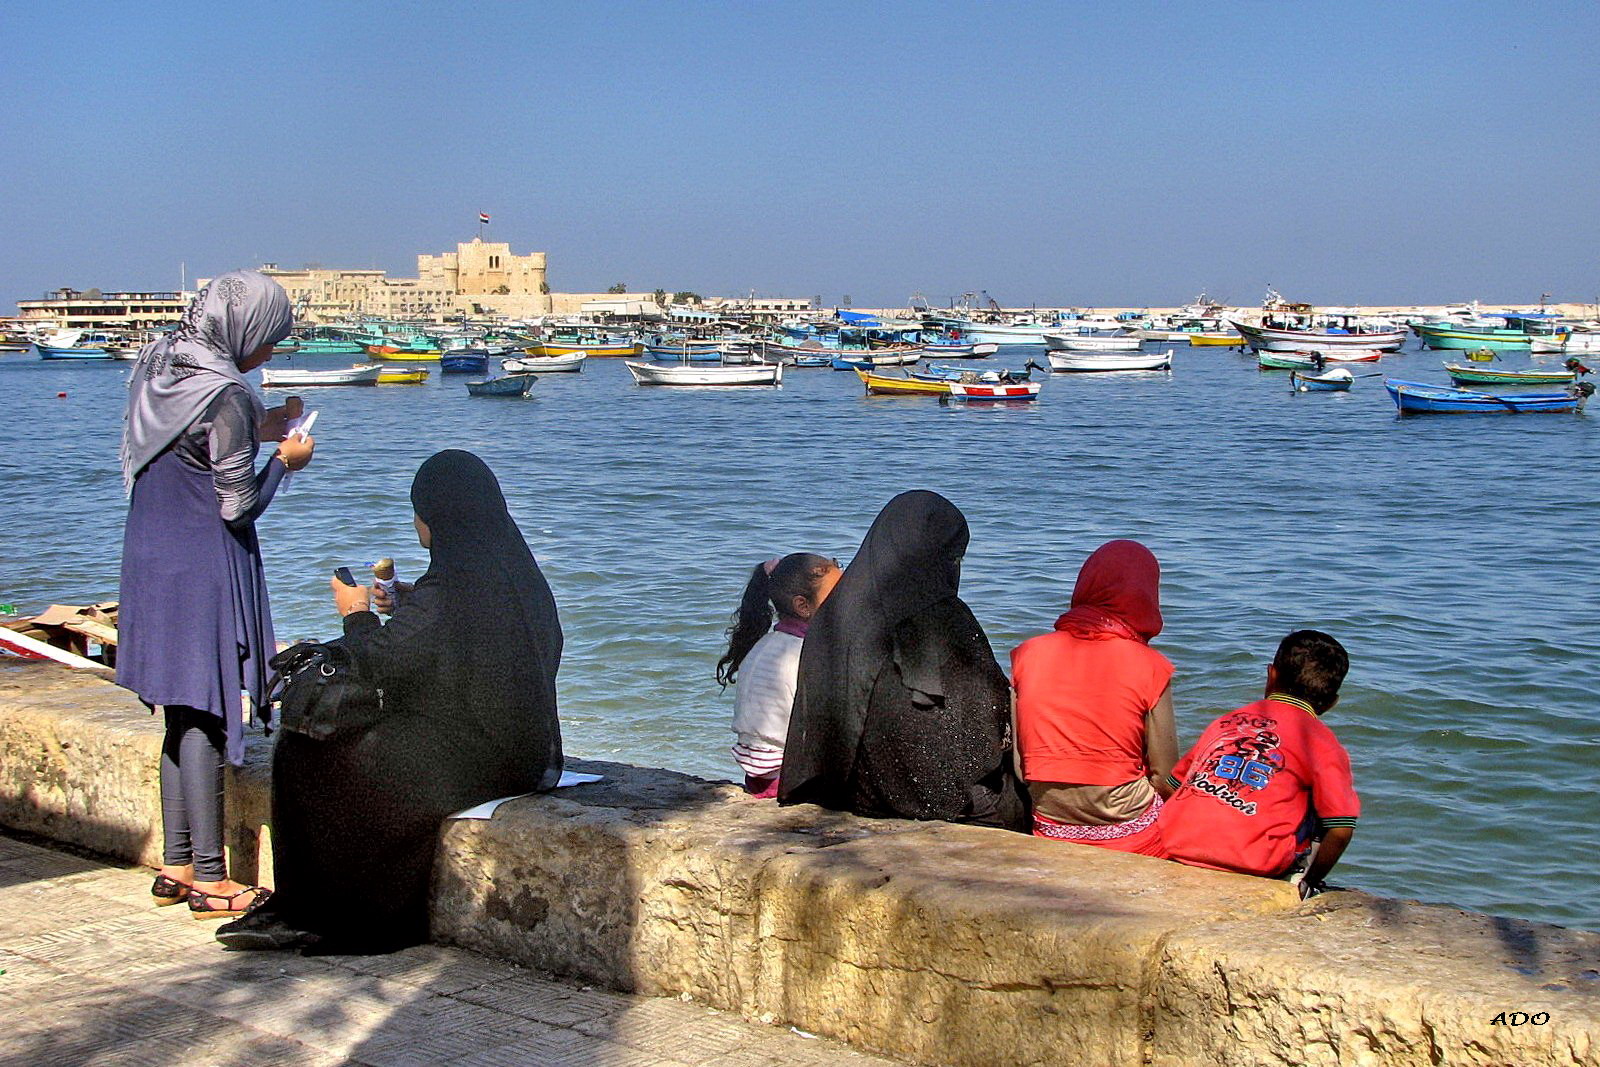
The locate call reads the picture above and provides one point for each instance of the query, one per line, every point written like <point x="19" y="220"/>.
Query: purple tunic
<point x="194" y="624"/>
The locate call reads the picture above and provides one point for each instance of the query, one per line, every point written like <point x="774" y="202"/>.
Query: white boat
<point x="566" y="364"/>
<point x="360" y="374"/>
<point x="1083" y="362"/>
<point x="1574" y="343"/>
<point x="1031" y="333"/>
<point x="705" y="374"/>
<point x="1280" y="339"/>
<point x="1071" y="342"/>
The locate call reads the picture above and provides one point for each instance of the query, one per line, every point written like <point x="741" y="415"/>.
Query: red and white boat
<point x="995" y="390"/>
<point x="1343" y="355"/>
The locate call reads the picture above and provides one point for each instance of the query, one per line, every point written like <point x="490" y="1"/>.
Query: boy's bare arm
<point x="1334" y="842"/>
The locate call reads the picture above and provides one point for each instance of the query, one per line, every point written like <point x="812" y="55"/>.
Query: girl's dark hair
<point x="797" y="574"/>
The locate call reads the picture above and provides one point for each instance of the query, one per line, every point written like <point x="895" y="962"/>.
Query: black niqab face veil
<point x="502" y="638"/>
<point x="895" y="642"/>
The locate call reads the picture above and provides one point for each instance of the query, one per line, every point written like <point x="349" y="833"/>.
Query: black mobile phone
<point x="344" y="575"/>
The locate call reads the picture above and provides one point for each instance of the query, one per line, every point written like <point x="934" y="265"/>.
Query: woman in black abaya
<point x="467" y="666"/>
<point x="901" y="708"/>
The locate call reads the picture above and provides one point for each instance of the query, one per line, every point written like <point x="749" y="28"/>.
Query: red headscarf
<point x="1117" y="594"/>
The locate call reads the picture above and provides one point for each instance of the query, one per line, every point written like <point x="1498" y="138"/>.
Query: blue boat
<point x="1421" y="398"/>
<point x="465" y="361"/>
<point x="510" y="385"/>
<point x="74" y="344"/>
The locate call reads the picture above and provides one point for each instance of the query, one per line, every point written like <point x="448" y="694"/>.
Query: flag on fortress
<point x="482" y="218"/>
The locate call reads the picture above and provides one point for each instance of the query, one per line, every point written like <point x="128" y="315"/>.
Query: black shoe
<point x="263" y="932"/>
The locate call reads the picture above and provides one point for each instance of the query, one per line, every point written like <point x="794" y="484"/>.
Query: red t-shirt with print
<point x="1255" y="786"/>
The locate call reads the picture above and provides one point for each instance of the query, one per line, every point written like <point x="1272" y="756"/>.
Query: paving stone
<point x="109" y="980"/>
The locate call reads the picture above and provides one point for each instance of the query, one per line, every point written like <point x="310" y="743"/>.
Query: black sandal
<point x="168" y="891"/>
<point x="200" y="903"/>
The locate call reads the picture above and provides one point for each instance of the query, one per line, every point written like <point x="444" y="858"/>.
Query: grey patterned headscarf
<point x="177" y="376"/>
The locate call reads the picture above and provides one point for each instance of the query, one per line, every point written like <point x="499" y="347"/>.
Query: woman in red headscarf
<point x="1094" y="708"/>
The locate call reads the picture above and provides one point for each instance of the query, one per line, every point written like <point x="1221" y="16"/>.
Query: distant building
<point x="72" y="309"/>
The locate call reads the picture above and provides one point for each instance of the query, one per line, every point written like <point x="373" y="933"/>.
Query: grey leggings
<point x="191" y="792"/>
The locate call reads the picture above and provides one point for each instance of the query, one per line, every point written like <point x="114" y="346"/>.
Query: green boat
<point x="1486" y="376"/>
<point x="1464" y="338"/>
<point x="1285" y="361"/>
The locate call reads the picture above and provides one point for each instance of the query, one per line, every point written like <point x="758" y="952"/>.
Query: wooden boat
<point x="938" y="373"/>
<point x="692" y="374"/>
<point x="73" y="344"/>
<point x="1335" y="355"/>
<point x="994" y="390"/>
<point x="465" y="361"/>
<point x="598" y="348"/>
<point x="891" y="385"/>
<point x="318" y="346"/>
<point x="1102" y="362"/>
<point x="1337" y="380"/>
<point x="1421" y="398"/>
<point x="1578" y="342"/>
<point x="874" y="360"/>
<point x="684" y="349"/>
<point x="1470" y="336"/>
<point x="1286" y="361"/>
<point x="360" y="374"/>
<point x="961" y="349"/>
<point x="1282" y="339"/>
<point x="1485" y="376"/>
<point x="510" y="385"/>
<point x="1216" y="340"/>
<point x="402" y="376"/>
<point x="811" y="361"/>
<point x="404" y="353"/>
<point x="1058" y="342"/>
<point x="569" y="364"/>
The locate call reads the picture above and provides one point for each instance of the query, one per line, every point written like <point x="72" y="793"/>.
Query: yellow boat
<point x="626" y="349"/>
<point x="888" y="385"/>
<point x="397" y="354"/>
<point x="1219" y="340"/>
<point x="402" y="376"/>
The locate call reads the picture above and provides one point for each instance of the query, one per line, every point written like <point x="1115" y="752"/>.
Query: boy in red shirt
<point x="1264" y="781"/>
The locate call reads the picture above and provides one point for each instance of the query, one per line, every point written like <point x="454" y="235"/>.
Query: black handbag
<point x="320" y="692"/>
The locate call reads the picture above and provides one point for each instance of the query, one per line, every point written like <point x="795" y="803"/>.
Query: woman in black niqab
<point x="467" y="666"/>
<point x="901" y="709"/>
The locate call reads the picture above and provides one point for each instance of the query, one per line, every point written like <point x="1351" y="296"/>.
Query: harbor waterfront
<point x="1453" y="557"/>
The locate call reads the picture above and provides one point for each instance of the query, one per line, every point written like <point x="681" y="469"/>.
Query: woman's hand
<point x="275" y="424"/>
<point x="384" y="603"/>
<point x="295" y="451"/>
<point x="349" y="598"/>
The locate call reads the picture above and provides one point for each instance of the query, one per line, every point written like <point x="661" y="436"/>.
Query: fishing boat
<point x="691" y="374"/>
<point x="402" y="376"/>
<point x="684" y="349"/>
<point x="73" y="344"/>
<point x="961" y="349"/>
<point x="811" y="361"/>
<point x="865" y="361"/>
<point x="994" y="390"/>
<point x="360" y="374"/>
<point x="892" y="385"/>
<point x="568" y="364"/>
<point x="938" y="373"/>
<point x="1287" y="361"/>
<point x="1354" y="335"/>
<point x="1578" y="342"/>
<point x="1517" y="332"/>
<point x="599" y="348"/>
<point x="1421" y="398"/>
<point x="1337" y="380"/>
<point x="1486" y="376"/>
<point x="1101" y="362"/>
<point x="404" y="353"/>
<point x="465" y="361"/>
<point x="319" y="342"/>
<point x="1338" y="355"/>
<point x="510" y="385"/>
<point x="1216" y="340"/>
<point x="1068" y="342"/>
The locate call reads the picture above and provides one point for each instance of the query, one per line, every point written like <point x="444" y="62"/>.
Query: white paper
<point x="487" y="809"/>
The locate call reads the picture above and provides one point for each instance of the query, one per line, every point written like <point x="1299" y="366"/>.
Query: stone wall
<point x="940" y="944"/>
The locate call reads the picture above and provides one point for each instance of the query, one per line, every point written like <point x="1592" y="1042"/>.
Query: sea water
<point x="1453" y="556"/>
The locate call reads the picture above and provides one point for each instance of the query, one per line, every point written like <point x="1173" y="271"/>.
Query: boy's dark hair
<point x="1311" y="665"/>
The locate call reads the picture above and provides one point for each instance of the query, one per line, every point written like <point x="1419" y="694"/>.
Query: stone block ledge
<point x="936" y="943"/>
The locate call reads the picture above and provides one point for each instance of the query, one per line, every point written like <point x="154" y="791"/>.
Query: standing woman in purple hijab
<point x="195" y="631"/>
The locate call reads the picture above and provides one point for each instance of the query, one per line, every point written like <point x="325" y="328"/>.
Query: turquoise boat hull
<point x="1466" y="340"/>
<point x="52" y="352"/>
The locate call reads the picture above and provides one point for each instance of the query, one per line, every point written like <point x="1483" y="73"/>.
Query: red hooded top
<point x="1083" y="690"/>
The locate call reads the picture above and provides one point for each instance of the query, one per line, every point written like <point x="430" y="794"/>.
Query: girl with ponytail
<point x="793" y="587"/>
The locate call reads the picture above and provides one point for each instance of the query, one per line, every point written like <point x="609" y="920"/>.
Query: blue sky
<point x="1063" y="153"/>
